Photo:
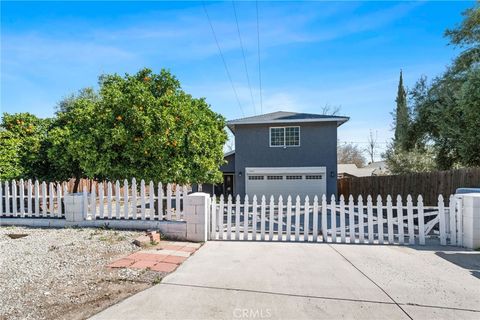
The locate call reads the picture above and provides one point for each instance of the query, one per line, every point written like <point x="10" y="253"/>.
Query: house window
<point x="284" y="136"/>
<point x="274" y="177"/>
<point x="294" y="177"/>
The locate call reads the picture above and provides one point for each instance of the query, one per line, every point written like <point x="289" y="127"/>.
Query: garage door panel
<point x="286" y="182"/>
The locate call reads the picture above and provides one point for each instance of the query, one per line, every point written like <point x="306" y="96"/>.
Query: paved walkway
<point x="261" y="280"/>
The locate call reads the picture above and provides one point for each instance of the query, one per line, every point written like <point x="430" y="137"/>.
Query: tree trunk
<point x="76" y="184"/>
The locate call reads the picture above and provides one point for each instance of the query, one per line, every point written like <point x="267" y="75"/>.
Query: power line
<point x="259" y="67"/>
<point x="223" y="58"/>
<point x="244" y="58"/>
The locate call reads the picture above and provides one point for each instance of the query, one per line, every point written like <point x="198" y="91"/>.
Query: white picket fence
<point x="343" y="222"/>
<point x="107" y="201"/>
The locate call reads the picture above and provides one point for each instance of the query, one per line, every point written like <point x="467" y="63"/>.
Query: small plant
<point x="157" y="280"/>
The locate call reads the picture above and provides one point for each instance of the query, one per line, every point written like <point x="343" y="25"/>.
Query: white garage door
<point x="285" y="181"/>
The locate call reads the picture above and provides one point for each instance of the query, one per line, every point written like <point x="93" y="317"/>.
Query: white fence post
<point x="380" y="219"/>
<point x="421" y="221"/>
<point x="280" y="219"/>
<point x="351" y="219"/>
<point x="441" y="219"/>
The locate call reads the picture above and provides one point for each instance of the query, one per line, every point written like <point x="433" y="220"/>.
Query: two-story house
<point x="282" y="153"/>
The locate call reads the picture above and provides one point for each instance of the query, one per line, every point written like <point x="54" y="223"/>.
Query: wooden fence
<point x="366" y="220"/>
<point x="427" y="184"/>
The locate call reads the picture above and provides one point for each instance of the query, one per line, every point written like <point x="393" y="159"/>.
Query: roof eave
<point x="340" y="120"/>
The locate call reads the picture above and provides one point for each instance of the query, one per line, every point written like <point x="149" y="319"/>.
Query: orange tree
<point x="143" y="126"/>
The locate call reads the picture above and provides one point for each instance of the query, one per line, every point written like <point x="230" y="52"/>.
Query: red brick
<point x="143" y="264"/>
<point x="122" y="263"/>
<point x="147" y="256"/>
<point x="174" y="259"/>
<point x="164" y="267"/>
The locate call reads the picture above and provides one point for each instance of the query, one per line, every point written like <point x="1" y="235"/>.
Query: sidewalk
<point x="261" y="280"/>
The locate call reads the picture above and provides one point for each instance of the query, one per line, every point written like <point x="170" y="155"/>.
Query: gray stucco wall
<point x="318" y="148"/>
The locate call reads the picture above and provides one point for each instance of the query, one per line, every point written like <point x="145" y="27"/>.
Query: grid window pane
<point x="277" y="136"/>
<point x="292" y="136"/>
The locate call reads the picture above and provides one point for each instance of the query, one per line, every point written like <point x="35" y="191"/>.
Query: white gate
<point x="391" y="222"/>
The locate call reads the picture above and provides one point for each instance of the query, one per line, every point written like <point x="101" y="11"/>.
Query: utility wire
<point x="244" y="58"/>
<point x="223" y="58"/>
<point x="259" y="67"/>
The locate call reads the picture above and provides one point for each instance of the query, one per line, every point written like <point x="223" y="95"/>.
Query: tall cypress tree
<point x="401" y="116"/>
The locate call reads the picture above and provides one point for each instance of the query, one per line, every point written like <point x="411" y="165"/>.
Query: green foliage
<point x="401" y="161"/>
<point x="24" y="134"/>
<point x="445" y="112"/>
<point x="402" y="119"/>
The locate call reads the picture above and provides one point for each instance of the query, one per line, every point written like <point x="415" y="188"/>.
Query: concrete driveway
<point x="262" y="280"/>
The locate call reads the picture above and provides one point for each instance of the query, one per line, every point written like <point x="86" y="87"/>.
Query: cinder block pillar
<point x="196" y="214"/>
<point x="74" y="207"/>
<point x="471" y="220"/>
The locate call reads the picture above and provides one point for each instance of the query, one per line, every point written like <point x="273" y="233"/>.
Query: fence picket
<point x="351" y="219"/>
<point x="44" y="199"/>
<point x="7" y="198"/>
<point x="237" y="217"/>
<point x="453" y="221"/>
<point x="85" y="201"/>
<point x="1" y="199"/>
<point x="142" y="200"/>
<point x="37" y="199"/>
<point x="280" y="219"/>
<point x="29" y="198"/>
<point x="169" y="202"/>
<point x="246" y="209"/>
<point x="51" y="199"/>
<point x="254" y="217"/>
<point x="125" y="199"/>
<point x="315" y="219"/>
<point x="289" y="218"/>
<point x="221" y="212"/>
<point x="262" y="218"/>
<point x="14" y="198"/>
<point x="101" y="201"/>
<point x="117" y="199"/>
<point x="342" y="219"/>
<point x="441" y="219"/>
<point x="401" y="236"/>
<point x="371" y="234"/>
<point x="411" y="230"/>
<point x="151" y="200"/>
<point x="109" y="199"/>
<point x="271" y="218"/>
<point x="22" y="198"/>
<point x="297" y="218"/>
<point x="178" y="190"/>
<point x="361" y="221"/>
<point x="213" y="222"/>
<point x="380" y="219"/>
<point x="306" y="219"/>
<point x="93" y="202"/>
<point x="333" y="217"/>
<point x="160" y="201"/>
<point x="390" y="220"/>
<point x="229" y="217"/>
<point x="324" y="219"/>
<point x="421" y="221"/>
<point x="134" y="198"/>
<point x="59" y="200"/>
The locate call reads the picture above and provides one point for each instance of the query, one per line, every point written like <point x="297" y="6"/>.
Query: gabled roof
<point x="286" y="117"/>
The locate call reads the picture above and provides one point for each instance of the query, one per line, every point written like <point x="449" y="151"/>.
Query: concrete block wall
<point x="196" y="215"/>
<point x="471" y="220"/>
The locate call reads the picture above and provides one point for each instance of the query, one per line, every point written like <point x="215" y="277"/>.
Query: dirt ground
<point x="62" y="273"/>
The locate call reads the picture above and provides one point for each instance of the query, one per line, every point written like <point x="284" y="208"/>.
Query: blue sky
<point x="345" y="54"/>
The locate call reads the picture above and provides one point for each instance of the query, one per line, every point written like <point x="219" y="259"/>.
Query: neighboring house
<point x="281" y="153"/>
<point x="348" y="170"/>
<point x="379" y="168"/>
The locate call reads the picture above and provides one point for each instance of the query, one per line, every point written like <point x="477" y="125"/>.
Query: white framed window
<point x="285" y="136"/>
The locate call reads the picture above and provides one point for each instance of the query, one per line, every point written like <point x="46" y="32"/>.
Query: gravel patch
<point x="62" y="273"/>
